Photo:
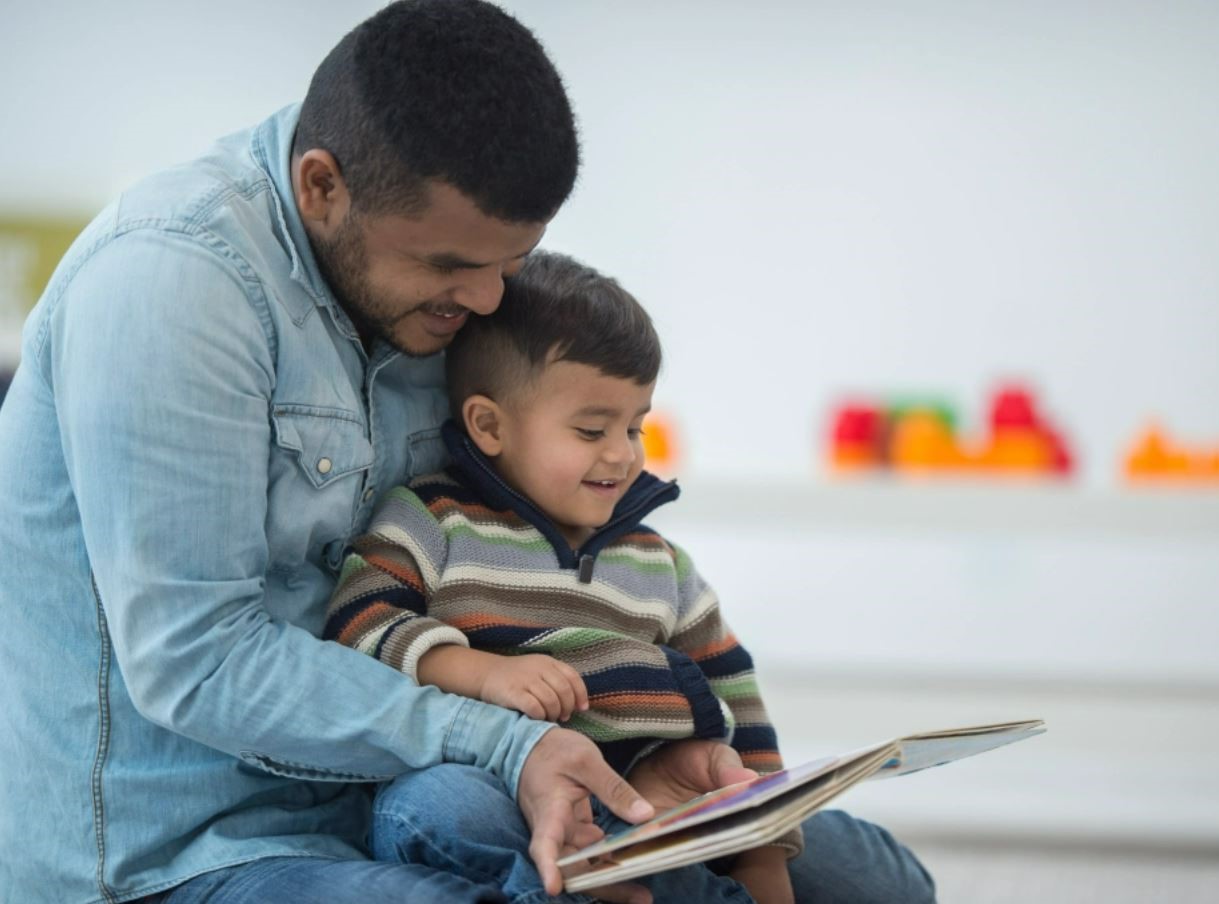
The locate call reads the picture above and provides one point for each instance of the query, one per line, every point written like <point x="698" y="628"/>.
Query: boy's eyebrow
<point x="607" y="411"/>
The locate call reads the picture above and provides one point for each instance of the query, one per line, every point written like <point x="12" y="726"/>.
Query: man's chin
<point x="419" y="346"/>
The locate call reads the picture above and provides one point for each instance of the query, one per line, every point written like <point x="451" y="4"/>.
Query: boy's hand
<point x="537" y="685"/>
<point x="685" y="769"/>
<point x="763" y="872"/>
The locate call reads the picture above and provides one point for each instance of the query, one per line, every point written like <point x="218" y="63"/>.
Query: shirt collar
<point x="271" y="147"/>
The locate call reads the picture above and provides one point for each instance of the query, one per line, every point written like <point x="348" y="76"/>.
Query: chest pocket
<point x="317" y="474"/>
<point x="328" y="445"/>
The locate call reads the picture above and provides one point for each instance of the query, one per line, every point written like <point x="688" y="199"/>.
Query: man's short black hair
<point x="450" y="90"/>
<point x="554" y="309"/>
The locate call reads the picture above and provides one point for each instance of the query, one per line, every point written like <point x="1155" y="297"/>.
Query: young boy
<point x="522" y="576"/>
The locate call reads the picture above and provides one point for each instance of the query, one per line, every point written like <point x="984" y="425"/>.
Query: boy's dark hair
<point x="554" y="309"/>
<point x="452" y="90"/>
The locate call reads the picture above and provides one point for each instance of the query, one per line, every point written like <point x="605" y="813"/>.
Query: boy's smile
<point x="570" y="443"/>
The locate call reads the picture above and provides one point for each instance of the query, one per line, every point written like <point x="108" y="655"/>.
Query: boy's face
<point x="571" y="444"/>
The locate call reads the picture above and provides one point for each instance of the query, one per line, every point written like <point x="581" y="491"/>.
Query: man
<point x="227" y="369"/>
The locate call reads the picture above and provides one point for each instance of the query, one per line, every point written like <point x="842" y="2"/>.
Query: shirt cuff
<point x="498" y="739"/>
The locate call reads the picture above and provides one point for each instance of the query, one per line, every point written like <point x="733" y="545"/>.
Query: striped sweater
<point x="460" y="557"/>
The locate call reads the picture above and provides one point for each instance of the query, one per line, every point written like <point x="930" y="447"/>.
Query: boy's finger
<point x="563" y="690"/>
<point x="576" y="682"/>
<point x="549" y="700"/>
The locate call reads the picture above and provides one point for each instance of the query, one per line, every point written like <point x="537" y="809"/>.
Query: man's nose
<point x="481" y="290"/>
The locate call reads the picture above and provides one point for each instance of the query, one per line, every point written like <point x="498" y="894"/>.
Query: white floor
<point x="983" y="874"/>
<point x="1117" y="802"/>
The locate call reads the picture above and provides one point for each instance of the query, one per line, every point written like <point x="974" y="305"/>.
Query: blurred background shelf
<point x="945" y="504"/>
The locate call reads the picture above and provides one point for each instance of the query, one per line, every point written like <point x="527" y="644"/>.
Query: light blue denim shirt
<point x="192" y="437"/>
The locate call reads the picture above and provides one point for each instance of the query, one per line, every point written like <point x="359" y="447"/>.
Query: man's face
<point x="571" y="444"/>
<point x="412" y="281"/>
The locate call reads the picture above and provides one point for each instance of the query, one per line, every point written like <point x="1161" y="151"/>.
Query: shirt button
<point x="368" y="494"/>
<point x="324" y="465"/>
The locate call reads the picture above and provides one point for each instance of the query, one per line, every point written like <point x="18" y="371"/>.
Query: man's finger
<point x="549" y="837"/>
<point x="613" y="790"/>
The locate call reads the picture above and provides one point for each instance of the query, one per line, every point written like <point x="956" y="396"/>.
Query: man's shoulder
<point x="223" y="194"/>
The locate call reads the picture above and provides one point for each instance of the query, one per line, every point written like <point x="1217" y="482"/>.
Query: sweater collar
<point x="644" y="496"/>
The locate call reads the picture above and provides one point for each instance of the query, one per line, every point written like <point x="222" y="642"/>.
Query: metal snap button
<point x="368" y="494"/>
<point x="324" y="465"/>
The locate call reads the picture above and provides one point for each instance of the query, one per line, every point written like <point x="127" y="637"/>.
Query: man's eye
<point x="590" y="434"/>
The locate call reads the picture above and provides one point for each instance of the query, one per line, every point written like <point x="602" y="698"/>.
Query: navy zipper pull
<point x="586" y="569"/>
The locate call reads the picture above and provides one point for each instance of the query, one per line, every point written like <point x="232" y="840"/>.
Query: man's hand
<point x="682" y="770"/>
<point x="537" y="685"/>
<point x="763" y="872"/>
<point x="560" y="773"/>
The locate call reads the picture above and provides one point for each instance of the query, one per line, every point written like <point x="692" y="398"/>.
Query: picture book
<point x="752" y="813"/>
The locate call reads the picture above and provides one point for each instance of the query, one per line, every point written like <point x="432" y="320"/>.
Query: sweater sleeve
<point x="703" y="635"/>
<point x="380" y="603"/>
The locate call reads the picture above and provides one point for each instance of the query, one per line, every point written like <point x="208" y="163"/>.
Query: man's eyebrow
<point x="451" y="262"/>
<point x="448" y="261"/>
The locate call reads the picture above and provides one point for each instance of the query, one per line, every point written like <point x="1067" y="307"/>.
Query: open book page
<point x="753" y="818"/>
<point x="746" y="815"/>
<point x="935" y="748"/>
<point x="719" y="803"/>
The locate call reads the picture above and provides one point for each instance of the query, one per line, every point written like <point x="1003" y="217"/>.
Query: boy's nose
<point x="620" y="452"/>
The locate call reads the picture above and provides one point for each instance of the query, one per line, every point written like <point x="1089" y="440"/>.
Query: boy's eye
<point x="635" y="432"/>
<point x="590" y="434"/>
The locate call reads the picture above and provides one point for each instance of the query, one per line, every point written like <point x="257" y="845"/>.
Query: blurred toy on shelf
<point x="1156" y="458"/>
<point x="660" y="444"/>
<point x="920" y="436"/>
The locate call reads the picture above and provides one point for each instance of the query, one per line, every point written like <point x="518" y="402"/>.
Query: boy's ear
<point x="483" y="420"/>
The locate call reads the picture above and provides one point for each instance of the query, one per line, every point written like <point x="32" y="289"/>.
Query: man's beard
<point x="343" y="262"/>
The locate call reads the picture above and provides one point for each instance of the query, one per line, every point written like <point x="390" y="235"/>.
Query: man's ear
<point x="483" y="419"/>
<point x="321" y="192"/>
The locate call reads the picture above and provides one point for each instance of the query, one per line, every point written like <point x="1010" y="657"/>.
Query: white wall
<point x="820" y="196"/>
<point x="811" y="197"/>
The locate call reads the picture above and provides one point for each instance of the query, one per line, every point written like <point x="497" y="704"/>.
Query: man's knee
<point x="449" y="801"/>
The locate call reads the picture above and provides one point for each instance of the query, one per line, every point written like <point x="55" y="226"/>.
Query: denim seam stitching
<point x="103" y="745"/>
<point x="171" y="884"/>
<point x="455" y="865"/>
<point x="210" y="241"/>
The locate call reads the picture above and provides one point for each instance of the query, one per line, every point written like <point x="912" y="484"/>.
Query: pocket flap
<point x="328" y="443"/>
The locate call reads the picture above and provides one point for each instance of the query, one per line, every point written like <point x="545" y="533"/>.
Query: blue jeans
<point x="459" y="819"/>
<point x="452" y="833"/>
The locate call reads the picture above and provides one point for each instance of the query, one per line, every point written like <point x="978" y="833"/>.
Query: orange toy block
<point x="1154" y="456"/>
<point x="660" y="452"/>
<point x="923" y="441"/>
